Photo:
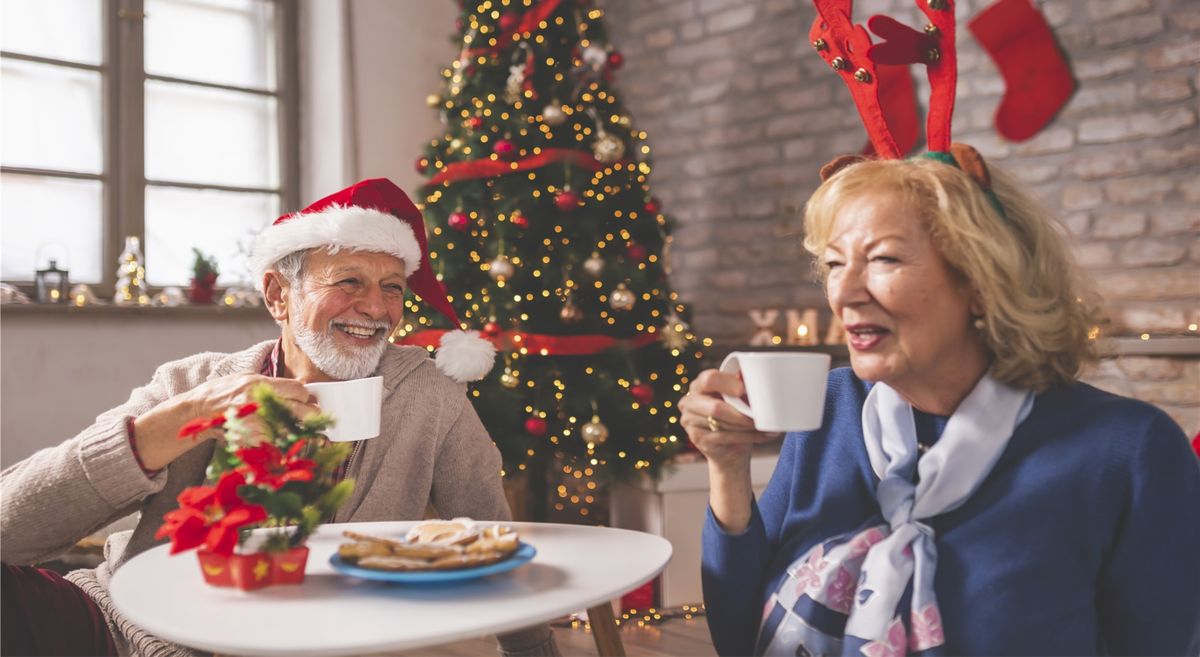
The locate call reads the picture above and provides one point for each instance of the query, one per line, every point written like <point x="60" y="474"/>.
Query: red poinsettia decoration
<point x="267" y="466"/>
<point x="277" y="472"/>
<point x="211" y="516"/>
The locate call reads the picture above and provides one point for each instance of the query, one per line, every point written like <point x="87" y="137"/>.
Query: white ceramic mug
<point x="354" y="405"/>
<point x="786" y="390"/>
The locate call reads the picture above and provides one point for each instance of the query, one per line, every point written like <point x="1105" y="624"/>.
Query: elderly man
<point x="333" y="277"/>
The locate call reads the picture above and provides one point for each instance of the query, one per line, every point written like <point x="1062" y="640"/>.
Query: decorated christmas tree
<point x="542" y="224"/>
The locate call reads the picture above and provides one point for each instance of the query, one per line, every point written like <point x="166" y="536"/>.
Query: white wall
<point x="62" y="370"/>
<point x="367" y="66"/>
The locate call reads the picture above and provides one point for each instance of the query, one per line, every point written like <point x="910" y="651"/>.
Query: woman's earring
<point x="979" y="324"/>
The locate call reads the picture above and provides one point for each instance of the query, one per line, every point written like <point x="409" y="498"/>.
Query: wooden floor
<point x="672" y="638"/>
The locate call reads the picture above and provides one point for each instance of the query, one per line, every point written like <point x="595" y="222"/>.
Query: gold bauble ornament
<point x="608" y="149"/>
<point x="594" y="266"/>
<point x="501" y="268"/>
<point x="509" y="380"/>
<point x="553" y="114"/>
<point x="622" y="298"/>
<point x="433" y="100"/>
<point x="594" y="431"/>
<point x="674" y="332"/>
<point x="570" y="313"/>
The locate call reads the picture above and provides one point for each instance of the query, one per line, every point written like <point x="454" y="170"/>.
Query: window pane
<point x="60" y="29"/>
<point x="210" y="136"/>
<point x="220" y="224"/>
<point x="223" y="41"/>
<point x="50" y="217"/>
<point x="51" y="117"/>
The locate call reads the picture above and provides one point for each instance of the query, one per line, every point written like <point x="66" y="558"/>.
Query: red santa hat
<point x="375" y="215"/>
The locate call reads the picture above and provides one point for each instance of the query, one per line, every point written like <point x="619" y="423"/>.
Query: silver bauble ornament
<point x="595" y="57"/>
<point x="608" y="149"/>
<point x="622" y="298"/>
<point x="594" y="431"/>
<point x="501" y="268"/>
<point x="553" y="114"/>
<point x="594" y="266"/>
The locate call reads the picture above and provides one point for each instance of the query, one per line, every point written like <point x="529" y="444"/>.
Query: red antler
<point x="844" y="46"/>
<point x="848" y="49"/>
<point x="935" y="49"/>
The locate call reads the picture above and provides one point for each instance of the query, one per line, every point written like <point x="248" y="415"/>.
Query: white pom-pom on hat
<point x="465" y="356"/>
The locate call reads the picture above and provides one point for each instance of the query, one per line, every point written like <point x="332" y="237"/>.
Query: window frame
<point x="123" y="79"/>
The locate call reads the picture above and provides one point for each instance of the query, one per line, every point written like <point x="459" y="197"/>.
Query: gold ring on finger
<point x="714" y="425"/>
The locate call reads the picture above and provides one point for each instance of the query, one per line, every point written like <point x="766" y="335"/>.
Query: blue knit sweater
<point x="1083" y="540"/>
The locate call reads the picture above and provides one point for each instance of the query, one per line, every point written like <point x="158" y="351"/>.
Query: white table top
<point x="332" y="614"/>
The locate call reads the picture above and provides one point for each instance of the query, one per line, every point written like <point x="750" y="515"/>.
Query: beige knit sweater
<point x="432" y="449"/>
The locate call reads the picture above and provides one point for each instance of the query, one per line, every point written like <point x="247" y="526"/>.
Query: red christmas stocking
<point x="898" y="99"/>
<point x="1037" y="78"/>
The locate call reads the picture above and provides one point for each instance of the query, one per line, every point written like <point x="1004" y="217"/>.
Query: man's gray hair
<point x="291" y="267"/>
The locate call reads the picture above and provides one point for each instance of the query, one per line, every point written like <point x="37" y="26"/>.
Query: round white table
<point x="333" y="614"/>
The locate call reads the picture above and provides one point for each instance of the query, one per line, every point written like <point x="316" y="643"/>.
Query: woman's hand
<point x="156" y="431"/>
<point x="718" y="430"/>
<point x="725" y="437"/>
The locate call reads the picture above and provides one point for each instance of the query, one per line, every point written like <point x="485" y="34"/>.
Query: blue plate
<point x="524" y="554"/>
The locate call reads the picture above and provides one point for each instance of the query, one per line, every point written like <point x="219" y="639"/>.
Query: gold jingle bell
<point x="932" y="30"/>
<point x="570" y="313"/>
<point x="820" y="45"/>
<point x="933" y="55"/>
<point x="838" y="64"/>
<point x="509" y="380"/>
<point x="594" y="431"/>
<point x="622" y="298"/>
<point x="862" y="75"/>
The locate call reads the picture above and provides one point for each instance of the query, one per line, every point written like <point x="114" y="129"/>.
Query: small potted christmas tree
<point x="204" y="278"/>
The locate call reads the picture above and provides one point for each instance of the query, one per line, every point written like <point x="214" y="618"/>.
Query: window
<point x="171" y="120"/>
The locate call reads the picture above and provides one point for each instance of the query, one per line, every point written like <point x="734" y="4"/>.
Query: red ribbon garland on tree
<point x="529" y="22"/>
<point x="541" y="344"/>
<point x="488" y="168"/>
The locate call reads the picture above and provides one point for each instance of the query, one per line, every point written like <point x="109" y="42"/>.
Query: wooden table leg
<point x="605" y="631"/>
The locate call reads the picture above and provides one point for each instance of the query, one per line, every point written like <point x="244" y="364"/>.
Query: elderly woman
<point x="965" y="494"/>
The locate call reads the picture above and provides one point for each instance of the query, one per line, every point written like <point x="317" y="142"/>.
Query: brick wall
<point x="741" y="113"/>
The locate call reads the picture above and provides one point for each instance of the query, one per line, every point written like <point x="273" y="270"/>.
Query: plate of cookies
<point x="432" y="552"/>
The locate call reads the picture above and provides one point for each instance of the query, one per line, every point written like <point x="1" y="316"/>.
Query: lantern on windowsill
<point x="52" y="283"/>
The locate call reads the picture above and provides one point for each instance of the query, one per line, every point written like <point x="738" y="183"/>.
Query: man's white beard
<point x="340" y="363"/>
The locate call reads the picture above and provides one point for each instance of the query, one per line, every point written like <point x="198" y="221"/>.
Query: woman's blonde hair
<point x="1037" y="313"/>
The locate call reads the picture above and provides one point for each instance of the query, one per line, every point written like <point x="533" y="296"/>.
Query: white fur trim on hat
<point x="336" y="227"/>
<point x="465" y="356"/>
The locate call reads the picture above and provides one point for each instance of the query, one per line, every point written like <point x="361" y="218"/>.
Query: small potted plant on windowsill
<point x="204" y="278"/>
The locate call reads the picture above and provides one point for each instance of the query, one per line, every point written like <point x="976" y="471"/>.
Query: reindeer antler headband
<point x="847" y="48"/>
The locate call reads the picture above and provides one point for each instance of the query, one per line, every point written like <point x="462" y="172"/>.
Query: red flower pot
<point x="255" y="570"/>
<point x="202" y="289"/>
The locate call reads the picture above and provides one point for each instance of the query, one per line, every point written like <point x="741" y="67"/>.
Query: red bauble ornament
<point x="635" y="251"/>
<point x="491" y="329"/>
<point x="422" y="164"/>
<point x="520" y="220"/>
<point x="536" y="426"/>
<point x="459" y="221"/>
<point x="567" y="200"/>
<point x="615" y="60"/>
<point x="474" y="123"/>
<point x="653" y="206"/>
<point x="643" y="393"/>
<point x="509" y="22"/>
<point x="504" y="149"/>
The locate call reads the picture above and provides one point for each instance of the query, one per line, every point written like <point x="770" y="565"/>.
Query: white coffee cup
<point x="354" y="405"/>
<point x="786" y="390"/>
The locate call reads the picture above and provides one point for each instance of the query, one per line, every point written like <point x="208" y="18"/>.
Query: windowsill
<point x="57" y="309"/>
